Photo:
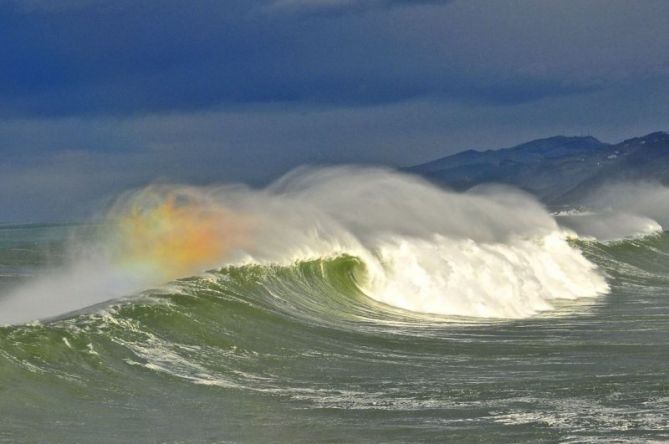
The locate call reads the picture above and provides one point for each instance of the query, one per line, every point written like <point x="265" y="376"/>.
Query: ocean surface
<point x="329" y="347"/>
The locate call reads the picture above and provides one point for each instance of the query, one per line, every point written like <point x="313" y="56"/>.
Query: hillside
<point x="559" y="170"/>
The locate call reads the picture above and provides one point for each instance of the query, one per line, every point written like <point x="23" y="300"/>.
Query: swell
<point x="639" y="261"/>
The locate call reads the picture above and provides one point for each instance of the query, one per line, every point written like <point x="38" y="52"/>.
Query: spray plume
<point x="490" y="252"/>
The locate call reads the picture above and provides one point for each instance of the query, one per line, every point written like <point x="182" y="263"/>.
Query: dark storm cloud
<point x="339" y="7"/>
<point x="85" y="57"/>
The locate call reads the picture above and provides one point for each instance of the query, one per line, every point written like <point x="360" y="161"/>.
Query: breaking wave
<point x="491" y="252"/>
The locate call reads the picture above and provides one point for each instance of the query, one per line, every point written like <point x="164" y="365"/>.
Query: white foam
<point x="514" y="279"/>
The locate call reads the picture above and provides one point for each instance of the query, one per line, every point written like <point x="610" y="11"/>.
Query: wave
<point x="491" y="252"/>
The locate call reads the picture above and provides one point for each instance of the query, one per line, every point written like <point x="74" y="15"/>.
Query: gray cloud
<point x="340" y="7"/>
<point x="50" y="6"/>
<point x="131" y="58"/>
<point x="64" y="168"/>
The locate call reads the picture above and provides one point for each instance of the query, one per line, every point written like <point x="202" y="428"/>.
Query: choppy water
<point x="299" y="354"/>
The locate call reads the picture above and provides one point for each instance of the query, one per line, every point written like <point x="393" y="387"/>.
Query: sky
<point x="97" y="96"/>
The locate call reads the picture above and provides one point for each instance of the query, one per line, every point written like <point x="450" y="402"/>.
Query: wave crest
<point x="490" y="252"/>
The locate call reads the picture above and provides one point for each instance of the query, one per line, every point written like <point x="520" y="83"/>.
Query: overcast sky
<point x="100" y="95"/>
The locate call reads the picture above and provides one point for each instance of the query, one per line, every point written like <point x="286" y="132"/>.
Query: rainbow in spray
<point x="175" y="233"/>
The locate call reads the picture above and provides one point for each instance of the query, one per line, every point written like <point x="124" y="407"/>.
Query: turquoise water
<point x="300" y="354"/>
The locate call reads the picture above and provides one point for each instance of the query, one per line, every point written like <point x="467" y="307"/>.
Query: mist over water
<point x="621" y="210"/>
<point x="644" y="199"/>
<point x="491" y="252"/>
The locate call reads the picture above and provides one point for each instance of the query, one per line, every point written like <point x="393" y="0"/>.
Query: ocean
<point x="338" y="305"/>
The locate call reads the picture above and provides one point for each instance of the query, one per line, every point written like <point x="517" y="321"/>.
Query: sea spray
<point x="623" y="210"/>
<point x="490" y="252"/>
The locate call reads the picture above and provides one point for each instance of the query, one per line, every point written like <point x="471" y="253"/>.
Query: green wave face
<point x="301" y="353"/>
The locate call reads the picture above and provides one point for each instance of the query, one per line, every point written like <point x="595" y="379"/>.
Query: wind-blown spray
<point x="490" y="252"/>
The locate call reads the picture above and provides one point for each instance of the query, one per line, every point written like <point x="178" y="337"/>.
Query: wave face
<point x="492" y="252"/>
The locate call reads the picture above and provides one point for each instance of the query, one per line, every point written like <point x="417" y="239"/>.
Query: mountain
<point x="559" y="170"/>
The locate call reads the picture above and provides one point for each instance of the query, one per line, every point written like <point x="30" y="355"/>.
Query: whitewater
<point x="339" y="304"/>
<point x="490" y="252"/>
